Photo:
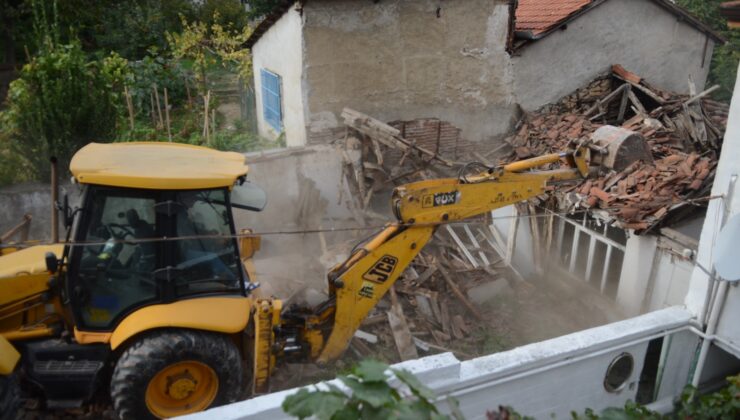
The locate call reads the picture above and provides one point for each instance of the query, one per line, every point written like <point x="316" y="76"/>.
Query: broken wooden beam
<point x="384" y="133"/>
<point x="400" y="329"/>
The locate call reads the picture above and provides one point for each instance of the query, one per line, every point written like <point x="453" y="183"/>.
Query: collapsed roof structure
<point x="684" y="133"/>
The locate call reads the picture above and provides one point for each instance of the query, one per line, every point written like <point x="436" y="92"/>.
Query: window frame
<point x="165" y="227"/>
<point x="272" y="88"/>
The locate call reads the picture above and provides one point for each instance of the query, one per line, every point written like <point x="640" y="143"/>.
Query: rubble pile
<point x="684" y="133"/>
<point x="434" y="306"/>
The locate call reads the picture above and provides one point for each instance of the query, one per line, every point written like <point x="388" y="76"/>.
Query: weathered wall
<point x="407" y="59"/>
<point x="33" y="199"/>
<point x="640" y="35"/>
<point x="305" y="192"/>
<point x="279" y="51"/>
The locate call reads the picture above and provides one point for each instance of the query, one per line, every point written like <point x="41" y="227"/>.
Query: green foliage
<point x="134" y="27"/>
<point x="371" y="397"/>
<point x="60" y="102"/>
<point x="723" y="405"/>
<point x="726" y="57"/>
<point x="260" y="8"/>
<point x="209" y="44"/>
<point x="156" y="69"/>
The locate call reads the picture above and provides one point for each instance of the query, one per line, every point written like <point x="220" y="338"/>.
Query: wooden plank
<point x="623" y="105"/>
<point x="607" y="99"/>
<point x="426" y="275"/>
<point x="701" y="95"/>
<point x="636" y="102"/>
<point x="385" y="134"/>
<point x="534" y="227"/>
<point x="476" y="245"/>
<point x="461" y="245"/>
<point x="605" y="271"/>
<point x="511" y="239"/>
<point x="445" y="318"/>
<point x="460" y="295"/>
<point x="400" y="329"/>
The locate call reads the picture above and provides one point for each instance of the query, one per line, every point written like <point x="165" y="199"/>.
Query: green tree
<point x="209" y="44"/>
<point x="260" y="8"/>
<point x="60" y="102"/>
<point x="726" y="57"/>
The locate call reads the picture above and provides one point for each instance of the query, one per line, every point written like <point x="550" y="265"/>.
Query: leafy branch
<point x="369" y="396"/>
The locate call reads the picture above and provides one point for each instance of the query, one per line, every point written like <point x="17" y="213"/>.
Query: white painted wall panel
<point x="728" y="328"/>
<point x="280" y="50"/>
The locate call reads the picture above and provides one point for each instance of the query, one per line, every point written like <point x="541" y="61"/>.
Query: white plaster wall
<point x="638" y="34"/>
<point x="542" y="379"/>
<point x="523" y="259"/>
<point x="639" y="258"/>
<point x="728" y="328"/>
<point x="669" y="282"/>
<point x="280" y="50"/>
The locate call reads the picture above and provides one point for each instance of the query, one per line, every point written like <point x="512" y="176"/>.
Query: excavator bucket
<point x="618" y="147"/>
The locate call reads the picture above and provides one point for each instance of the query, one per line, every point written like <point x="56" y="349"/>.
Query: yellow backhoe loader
<point x="151" y="296"/>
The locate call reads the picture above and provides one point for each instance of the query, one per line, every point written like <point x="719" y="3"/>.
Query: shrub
<point x="60" y="102"/>
<point x="371" y="397"/>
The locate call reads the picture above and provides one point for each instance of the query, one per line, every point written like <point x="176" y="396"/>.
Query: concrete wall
<point x="543" y="379"/>
<point x="404" y="59"/>
<point x="638" y="34"/>
<point x="33" y="199"/>
<point x="280" y="51"/>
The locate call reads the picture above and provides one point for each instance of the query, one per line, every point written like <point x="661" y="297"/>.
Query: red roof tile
<point x="539" y="16"/>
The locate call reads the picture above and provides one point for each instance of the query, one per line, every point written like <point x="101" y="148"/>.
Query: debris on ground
<point x="438" y="303"/>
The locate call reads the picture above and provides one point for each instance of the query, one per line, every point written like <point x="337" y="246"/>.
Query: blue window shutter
<point x="271" y="99"/>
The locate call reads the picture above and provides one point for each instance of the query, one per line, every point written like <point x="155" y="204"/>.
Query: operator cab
<point x="141" y="241"/>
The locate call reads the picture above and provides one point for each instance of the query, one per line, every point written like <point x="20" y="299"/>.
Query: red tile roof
<point x="539" y="16"/>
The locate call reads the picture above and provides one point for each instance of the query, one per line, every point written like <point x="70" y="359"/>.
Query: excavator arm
<point x="360" y="282"/>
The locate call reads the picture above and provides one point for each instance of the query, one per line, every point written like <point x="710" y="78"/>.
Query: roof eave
<point x="529" y="36"/>
<point x="270" y="20"/>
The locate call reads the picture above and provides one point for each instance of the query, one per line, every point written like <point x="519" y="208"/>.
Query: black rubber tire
<point x="151" y="353"/>
<point x="10" y="397"/>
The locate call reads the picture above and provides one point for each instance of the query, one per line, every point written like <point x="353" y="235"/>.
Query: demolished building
<point x="472" y="63"/>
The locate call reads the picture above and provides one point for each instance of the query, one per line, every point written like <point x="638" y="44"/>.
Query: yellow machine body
<point x="266" y="332"/>
<point x="156" y="165"/>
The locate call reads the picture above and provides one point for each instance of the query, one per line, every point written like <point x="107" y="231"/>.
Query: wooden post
<point x="151" y="110"/>
<point x="534" y="226"/>
<point x="167" y="114"/>
<point x="130" y="107"/>
<point x="159" y="108"/>
<point x="212" y="125"/>
<point x="206" y="129"/>
<point x="190" y="98"/>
